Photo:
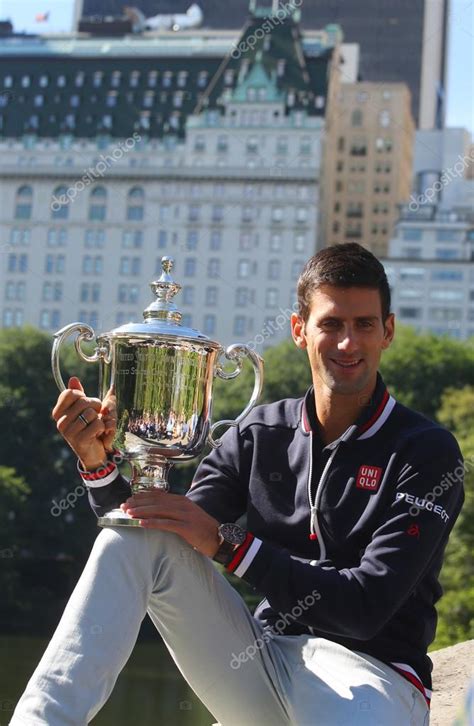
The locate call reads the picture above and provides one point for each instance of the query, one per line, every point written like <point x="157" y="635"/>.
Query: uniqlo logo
<point x="368" y="477"/>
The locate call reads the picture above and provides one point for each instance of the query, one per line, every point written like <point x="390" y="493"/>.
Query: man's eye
<point x="330" y="324"/>
<point x="366" y="323"/>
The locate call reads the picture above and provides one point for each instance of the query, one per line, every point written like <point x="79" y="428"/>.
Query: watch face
<point x="232" y="533"/>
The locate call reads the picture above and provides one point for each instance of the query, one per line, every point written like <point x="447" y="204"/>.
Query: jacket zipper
<point x="314" y="508"/>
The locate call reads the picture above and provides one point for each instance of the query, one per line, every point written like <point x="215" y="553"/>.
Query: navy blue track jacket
<point x="346" y="540"/>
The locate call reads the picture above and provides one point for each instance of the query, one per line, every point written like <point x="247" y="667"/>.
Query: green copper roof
<point x="258" y="79"/>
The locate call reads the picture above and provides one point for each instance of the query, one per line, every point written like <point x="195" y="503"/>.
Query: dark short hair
<point x="342" y="265"/>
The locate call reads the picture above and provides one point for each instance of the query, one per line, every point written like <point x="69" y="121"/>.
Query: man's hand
<point x="157" y="509"/>
<point x="92" y="442"/>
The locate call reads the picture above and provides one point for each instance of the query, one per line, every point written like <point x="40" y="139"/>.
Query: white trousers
<point x="216" y="643"/>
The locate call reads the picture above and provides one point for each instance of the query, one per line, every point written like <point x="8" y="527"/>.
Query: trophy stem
<point x="148" y="472"/>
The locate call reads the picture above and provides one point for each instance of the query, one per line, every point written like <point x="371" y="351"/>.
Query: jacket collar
<point x="370" y="420"/>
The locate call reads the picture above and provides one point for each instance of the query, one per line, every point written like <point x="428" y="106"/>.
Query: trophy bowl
<point x="157" y="376"/>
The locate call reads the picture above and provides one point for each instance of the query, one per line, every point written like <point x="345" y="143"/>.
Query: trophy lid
<point x="162" y="318"/>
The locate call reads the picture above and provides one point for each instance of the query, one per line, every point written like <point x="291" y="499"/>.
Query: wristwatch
<point x="231" y="536"/>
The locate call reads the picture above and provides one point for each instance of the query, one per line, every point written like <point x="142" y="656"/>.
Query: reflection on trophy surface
<point x="157" y="376"/>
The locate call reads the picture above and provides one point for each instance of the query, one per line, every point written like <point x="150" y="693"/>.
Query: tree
<point x="417" y="368"/>
<point x="456" y="607"/>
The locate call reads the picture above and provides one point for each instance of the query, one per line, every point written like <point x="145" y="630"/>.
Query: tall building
<point x="231" y="191"/>
<point x="367" y="166"/>
<point x="431" y="269"/>
<point x="89" y="86"/>
<point x="400" y="42"/>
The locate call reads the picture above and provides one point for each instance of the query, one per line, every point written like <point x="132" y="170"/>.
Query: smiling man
<point x="349" y="500"/>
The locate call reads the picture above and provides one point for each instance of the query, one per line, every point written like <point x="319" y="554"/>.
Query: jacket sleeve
<point x="220" y="484"/>
<point x="106" y="487"/>
<point x="357" y="602"/>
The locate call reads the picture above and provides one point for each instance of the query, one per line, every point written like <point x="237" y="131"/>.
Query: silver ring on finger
<point x="82" y="418"/>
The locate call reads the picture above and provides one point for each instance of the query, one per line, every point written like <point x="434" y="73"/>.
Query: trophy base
<point x="117" y="518"/>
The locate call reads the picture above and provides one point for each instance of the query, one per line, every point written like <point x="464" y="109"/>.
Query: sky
<point x="460" y="77"/>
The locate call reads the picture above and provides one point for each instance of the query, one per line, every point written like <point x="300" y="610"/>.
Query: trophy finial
<point x="165" y="288"/>
<point x="167" y="263"/>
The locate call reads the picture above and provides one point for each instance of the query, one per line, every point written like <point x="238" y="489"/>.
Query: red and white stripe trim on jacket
<point x="102" y="476"/>
<point x="411" y="675"/>
<point x="244" y="555"/>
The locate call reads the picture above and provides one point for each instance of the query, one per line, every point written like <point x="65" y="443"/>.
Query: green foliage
<point x="417" y="368"/>
<point x="431" y="374"/>
<point x="286" y="375"/>
<point x="456" y="607"/>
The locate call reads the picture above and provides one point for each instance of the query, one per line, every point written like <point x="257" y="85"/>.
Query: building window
<point x="410" y="313"/>
<point x="194" y="213"/>
<point x="94" y="238"/>
<point x="132" y="239"/>
<point x="447" y="235"/>
<point x="271" y="297"/>
<point x="192" y="239"/>
<point x="17" y="263"/>
<point x="162" y="238"/>
<point x="384" y="118"/>
<point x="217" y="213"/>
<point x="128" y="294"/>
<point x="24" y="201"/>
<point x="52" y="291"/>
<point x="199" y="144"/>
<point x="188" y="295"/>
<point x="189" y="266"/>
<point x="213" y="267"/>
<point x="54" y="264"/>
<point x="356" y="117"/>
<point x="211" y="295"/>
<point x="97" y="206"/>
<point x="277" y="215"/>
<point x="135" y="204"/>
<point x="90" y="292"/>
<point x="300" y="243"/>
<point x="216" y="240"/>
<point x="282" y="145"/>
<point x="56" y="237"/>
<point x="130" y="266"/>
<point x="446" y="254"/>
<point x="275" y="243"/>
<point x="20" y="236"/>
<point x="222" y="144"/>
<point x="209" y="326"/>
<point x="241" y="297"/>
<point x="301" y="215"/>
<point x="15" y="291"/>
<point x="92" y="265"/>
<point x="60" y="203"/>
<point x="449" y="276"/>
<point x="274" y="270"/>
<point x="247" y="214"/>
<point x="239" y="325"/>
<point x="358" y="147"/>
<point x="243" y="268"/>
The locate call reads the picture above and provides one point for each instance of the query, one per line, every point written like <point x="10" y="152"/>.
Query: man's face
<point x="344" y="336"/>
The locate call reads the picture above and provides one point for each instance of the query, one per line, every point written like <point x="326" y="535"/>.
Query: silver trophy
<point x="158" y="375"/>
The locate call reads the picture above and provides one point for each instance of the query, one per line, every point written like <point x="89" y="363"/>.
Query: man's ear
<point x="298" y="331"/>
<point x="389" y="331"/>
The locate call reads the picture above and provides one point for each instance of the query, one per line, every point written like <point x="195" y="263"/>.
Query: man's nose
<point x="348" y="340"/>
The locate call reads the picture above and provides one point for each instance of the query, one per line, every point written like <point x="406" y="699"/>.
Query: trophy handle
<point x="236" y="352"/>
<point x="85" y="333"/>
